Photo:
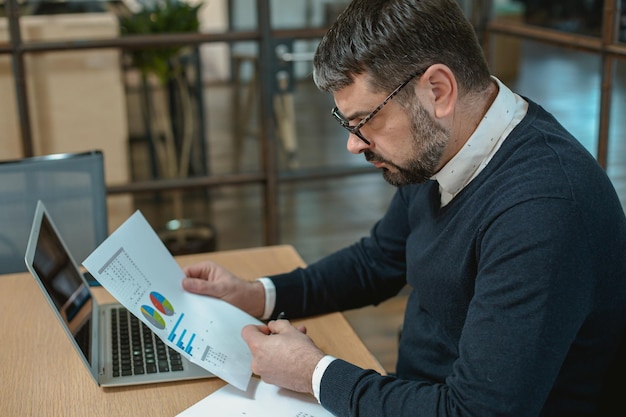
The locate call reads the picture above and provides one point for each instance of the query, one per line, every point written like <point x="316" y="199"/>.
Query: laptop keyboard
<point x="137" y="350"/>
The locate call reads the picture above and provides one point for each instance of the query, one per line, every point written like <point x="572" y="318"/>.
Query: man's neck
<point x="473" y="108"/>
<point x="468" y="114"/>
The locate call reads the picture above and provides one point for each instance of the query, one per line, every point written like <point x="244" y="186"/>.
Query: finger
<point x="301" y="329"/>
<point x="265" y="330"/>
<point x="196" y="271"/>
<point x="251" y="333"/>
<point x="198" y="286"/>
<point x="279" y="326"/>
<point x="261" y="328"/>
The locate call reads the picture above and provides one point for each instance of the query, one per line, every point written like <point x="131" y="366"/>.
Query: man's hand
<point x="209" y="278"/>
<point x="282" y="354"/>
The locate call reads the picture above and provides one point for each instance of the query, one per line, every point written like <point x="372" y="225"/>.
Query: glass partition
<point x="580" y="17"/>
<point x="555" y="56"/>
<point x="566" y="83"/>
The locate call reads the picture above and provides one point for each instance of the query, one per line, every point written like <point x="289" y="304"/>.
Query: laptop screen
<point x="64" y="285"/>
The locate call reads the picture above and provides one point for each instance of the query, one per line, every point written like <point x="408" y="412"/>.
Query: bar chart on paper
<point x="179" y="335"/>
<point x="122" y="275"/>
<point x="180" y="340"/>
<point x="134" y="265"/>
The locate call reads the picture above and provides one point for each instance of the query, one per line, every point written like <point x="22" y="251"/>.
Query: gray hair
<point x="390" y="39"/>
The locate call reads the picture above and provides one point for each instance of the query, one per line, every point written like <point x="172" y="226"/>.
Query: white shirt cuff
<point x="270" y="297"/>
<point x="318" y="373"/>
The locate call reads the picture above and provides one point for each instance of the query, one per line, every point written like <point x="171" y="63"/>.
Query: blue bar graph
<point x="180" y="343"/>
<point x="189" y="347"/>
<point x="172" y="334"/>
<point x="180" y="339"/>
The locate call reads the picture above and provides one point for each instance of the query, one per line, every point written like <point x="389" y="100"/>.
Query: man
<point x="508" y="232"/>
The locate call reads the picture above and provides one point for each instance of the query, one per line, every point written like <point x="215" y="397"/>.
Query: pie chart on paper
<point x="153" y="317"/>
<point x="161" y="303"/>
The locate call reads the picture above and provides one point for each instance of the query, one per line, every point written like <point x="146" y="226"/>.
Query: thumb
<point x="251" y="332"/>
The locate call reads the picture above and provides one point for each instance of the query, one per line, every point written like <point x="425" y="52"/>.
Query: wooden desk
<point x="42" y="375"/>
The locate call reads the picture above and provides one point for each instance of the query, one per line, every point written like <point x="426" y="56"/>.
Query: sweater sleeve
<point x="368" y="272"/>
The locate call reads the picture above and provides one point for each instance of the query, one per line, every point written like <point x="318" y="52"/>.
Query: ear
<point x="442" y="90"/>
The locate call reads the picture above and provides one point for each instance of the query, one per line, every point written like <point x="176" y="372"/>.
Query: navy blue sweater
<point x="518" y="288"/>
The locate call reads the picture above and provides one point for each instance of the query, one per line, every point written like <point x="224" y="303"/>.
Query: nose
<point x="356" y="145"/>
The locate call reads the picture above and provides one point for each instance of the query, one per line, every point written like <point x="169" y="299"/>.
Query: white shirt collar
<point x="506" y="111"/>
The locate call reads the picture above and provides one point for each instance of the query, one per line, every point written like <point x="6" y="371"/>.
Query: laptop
<point x="115" y="346"/>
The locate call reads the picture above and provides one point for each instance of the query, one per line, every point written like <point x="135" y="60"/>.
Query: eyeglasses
<point x="356" y="130"/>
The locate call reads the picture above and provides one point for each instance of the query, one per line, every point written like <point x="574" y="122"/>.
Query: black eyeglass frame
<point x="356" y="129"/>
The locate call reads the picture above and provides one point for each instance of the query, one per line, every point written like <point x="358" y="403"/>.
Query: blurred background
<point x="210" y="123"/>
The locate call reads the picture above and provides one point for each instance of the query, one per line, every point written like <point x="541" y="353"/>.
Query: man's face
<point x="405" y="142"/>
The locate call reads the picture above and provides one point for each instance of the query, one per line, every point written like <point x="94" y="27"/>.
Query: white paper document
<point x="260" y="400"/>
<point x="138" y="270"/>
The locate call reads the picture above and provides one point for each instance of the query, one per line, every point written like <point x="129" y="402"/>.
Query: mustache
<point x="372" y="157"/>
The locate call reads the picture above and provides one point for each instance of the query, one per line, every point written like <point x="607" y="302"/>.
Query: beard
<point x="429" y="140"/>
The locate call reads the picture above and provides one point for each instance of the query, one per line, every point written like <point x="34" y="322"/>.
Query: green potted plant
<point x="164" y="66"/>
